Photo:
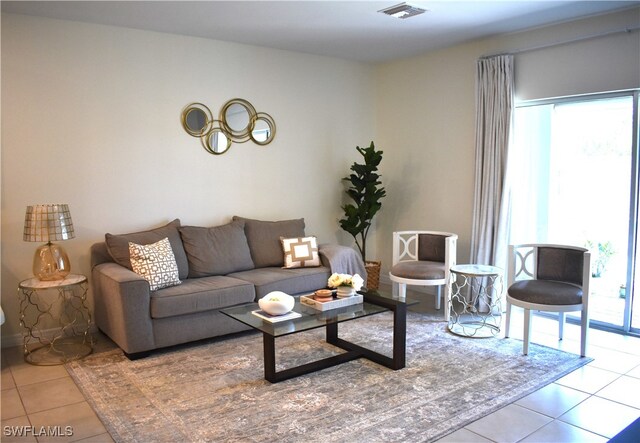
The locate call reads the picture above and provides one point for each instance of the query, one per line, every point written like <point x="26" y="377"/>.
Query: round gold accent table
<point x="67" y="315"/>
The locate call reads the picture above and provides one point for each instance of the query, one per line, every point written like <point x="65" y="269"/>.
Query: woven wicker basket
<point x="373" y="273"/>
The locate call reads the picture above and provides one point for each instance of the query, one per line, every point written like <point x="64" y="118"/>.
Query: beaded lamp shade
<point x="46" y="223"/>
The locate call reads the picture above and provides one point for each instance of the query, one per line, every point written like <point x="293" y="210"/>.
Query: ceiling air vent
<point x="402" y="11"/>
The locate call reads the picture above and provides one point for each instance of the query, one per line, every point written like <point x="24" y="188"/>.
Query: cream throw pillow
<point x="156" y="263"/>
<point x="300" y="252"/>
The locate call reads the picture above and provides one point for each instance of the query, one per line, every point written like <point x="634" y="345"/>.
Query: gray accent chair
<point x="553" y="278"/>
<point x="423" y="258"/>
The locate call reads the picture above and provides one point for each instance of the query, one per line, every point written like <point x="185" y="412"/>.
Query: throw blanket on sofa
<point x="342" y="260"/>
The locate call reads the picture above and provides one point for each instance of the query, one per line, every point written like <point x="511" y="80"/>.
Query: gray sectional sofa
<point x="219" y="267"/>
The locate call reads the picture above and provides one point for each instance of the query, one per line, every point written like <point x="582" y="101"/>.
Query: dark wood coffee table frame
<point x="354" y="351"/>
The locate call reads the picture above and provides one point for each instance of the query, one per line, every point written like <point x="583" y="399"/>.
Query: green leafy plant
<point x="366" y="192"/>
<point x="603" y="252"/>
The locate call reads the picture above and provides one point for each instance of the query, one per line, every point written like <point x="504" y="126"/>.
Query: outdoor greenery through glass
<point x="571" y="182"/>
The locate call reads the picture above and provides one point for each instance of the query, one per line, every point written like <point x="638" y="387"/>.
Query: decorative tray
<point x="308" y="300"/>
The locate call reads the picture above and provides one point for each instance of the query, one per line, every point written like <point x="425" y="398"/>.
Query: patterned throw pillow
<point x="156" y="263"/>
<point x="300" y="252"/>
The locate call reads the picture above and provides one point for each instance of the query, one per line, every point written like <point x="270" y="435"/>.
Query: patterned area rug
<point x="215" y="391"/>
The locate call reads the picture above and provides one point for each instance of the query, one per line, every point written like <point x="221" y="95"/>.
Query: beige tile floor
<point x="589" y="405"/>
<point x="45" y="397"/>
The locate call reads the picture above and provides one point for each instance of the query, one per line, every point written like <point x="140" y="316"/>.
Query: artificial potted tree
<point x="366" y="191"/>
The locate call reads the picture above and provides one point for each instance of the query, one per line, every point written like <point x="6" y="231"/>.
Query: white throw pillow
<point x="300" y="252"/>
<point x="156" y="263"/>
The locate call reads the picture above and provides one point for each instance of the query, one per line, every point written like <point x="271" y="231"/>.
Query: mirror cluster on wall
<point x="237" y="122"/>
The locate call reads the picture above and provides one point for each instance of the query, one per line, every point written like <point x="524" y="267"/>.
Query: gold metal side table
<point x="475" y="308"/>
<point x="70" y="340"/>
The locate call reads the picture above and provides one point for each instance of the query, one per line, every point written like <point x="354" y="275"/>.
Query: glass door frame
<point x="633" y="222"/>
<point x="632" y="249"/>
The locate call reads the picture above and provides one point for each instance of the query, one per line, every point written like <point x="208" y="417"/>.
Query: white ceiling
<point x="351" y="30"/>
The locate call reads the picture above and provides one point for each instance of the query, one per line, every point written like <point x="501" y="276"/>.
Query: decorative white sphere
<point x="276" y="303"/>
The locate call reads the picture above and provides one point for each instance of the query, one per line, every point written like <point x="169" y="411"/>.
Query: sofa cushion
<point x="264" y="239"/>
<point x="156" y="263"/>
<point x="300" y="252"/>
<point x="118" y="245"/>
<point x="218" y="250"/>
<point x="199" y="295"/>
<point x="290" y="281"/>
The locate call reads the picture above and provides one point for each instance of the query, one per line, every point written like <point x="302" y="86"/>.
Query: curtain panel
<point x="494" y="110"/>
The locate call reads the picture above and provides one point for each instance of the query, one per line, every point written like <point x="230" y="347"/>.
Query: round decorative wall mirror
<point x="196" y="119"/>
<point x="238" y="122"/>
<point x="237" y="116"/>
<point x="264" y="129"/>
<point x="216" y="142"/>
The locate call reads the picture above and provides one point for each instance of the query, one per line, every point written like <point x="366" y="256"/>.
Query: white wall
<point x="91" y="117"/>
<point x="426" y="109"/>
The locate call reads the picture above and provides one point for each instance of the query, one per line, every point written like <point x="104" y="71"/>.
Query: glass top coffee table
<point x="375" y="302"/>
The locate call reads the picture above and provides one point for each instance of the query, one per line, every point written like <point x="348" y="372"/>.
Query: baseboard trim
<point x="9" y="341"/>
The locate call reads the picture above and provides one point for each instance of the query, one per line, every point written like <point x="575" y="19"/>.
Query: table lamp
<point x="44" y="223"/>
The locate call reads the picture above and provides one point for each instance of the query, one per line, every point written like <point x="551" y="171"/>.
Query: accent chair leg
<point x="584" y="330"/>
<point x="527" y="331"/>
<point x="447" y="301"/>
<point x="561" y="325"/>
<point x="402" y="290"/>
<point x="394" y="288"/>
<point x="438" y="296"/>
<point x="507" y="321"/>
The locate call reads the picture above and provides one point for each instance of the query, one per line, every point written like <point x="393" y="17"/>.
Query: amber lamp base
<point x="51" y="262"/>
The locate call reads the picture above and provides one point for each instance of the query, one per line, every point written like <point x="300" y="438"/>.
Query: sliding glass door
<point x="573" y="180"/>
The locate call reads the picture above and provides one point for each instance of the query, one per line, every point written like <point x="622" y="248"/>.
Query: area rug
<point x="215" y="391"/>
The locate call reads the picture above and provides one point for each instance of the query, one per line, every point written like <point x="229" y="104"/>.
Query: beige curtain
<point x="494" y="109"/>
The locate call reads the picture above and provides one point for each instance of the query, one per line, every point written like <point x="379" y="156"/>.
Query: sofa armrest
<point x="100" y="254"/>
<point x="342" y="259"/>
<point x="122" y="310"/>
